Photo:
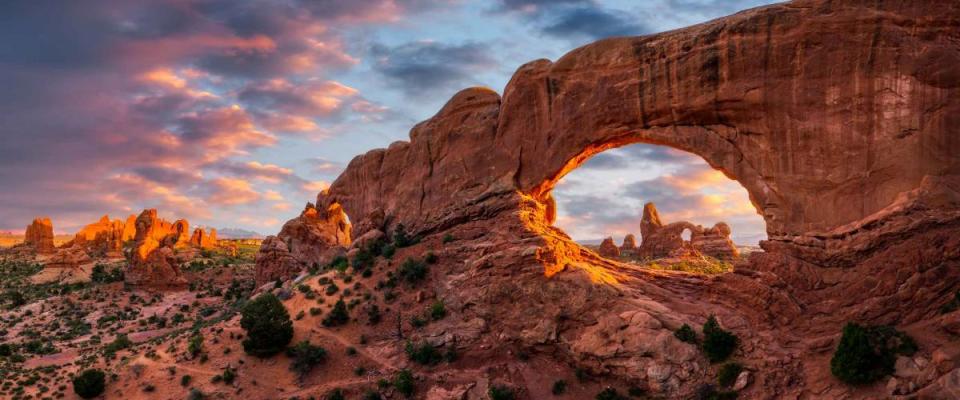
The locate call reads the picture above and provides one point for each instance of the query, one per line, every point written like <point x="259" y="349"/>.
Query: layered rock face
<point x="839" y="119"/>
<point x="660" y="240"/>
<point x="105" y="237"/>
<point x="39" y="236"/>
<point x="314" y="238"/>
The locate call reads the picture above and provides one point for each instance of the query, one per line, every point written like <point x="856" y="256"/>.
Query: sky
<point x="236" y="113"/>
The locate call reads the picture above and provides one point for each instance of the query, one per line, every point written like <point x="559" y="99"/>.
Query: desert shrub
<point x="373" y="314"/>
<point x="438" y="310"/>
<point x="196" y="394"/>
<point x="101" y="275"/>
<point x="867" y="353"/>
<point x="501" y="392"/>
<point x="339" y="263"/>
<point x="119" y="343"/>
<point x="372" y="395"/>
<point x="404" y="383"/>
<point x="185" y="380"/>
<point x="338" y="315"/>
<point x="423" y="353"/>
<point x="635" y="391"/>
<point x="305" y="357"/>
<point x="228" y="375"/>
<point x="718" y="344"/>
<point x="195" y="345"/>
<point x="559" y="387"/>
<point x="686" y="334"/>
<point x="335" y="394"/>
<point x="15" y="298"/>
<point x="728" y="374"/>
<point x="332" y="289"/>
<point x="417" y="322"/>
<point x="402" y="239"/>
<point x="431" y="258"/>
<point x="89" y="383"/>
<point x="268" y="326"/>
<point x="6" y="350"/>
<point x="610" y="394"/>
<point x="412" y="271"/>
<point x="447" y="238"/>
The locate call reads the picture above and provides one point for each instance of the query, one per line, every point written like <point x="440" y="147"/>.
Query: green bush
<point x="268" y="326"/>
<point x="447" y="238"/>
<point x="866" y="354"/>
<point x="335" y="394"/>
<point x="404" y="383"/>
<point x="610" y="394"/>
<point x="195" y="345"/>
<point x="500" y="392"/>
<point x="438" y="310"/>
<point x="89" y="384"/>
<point x="402" y="239"/>
<point x="686" y="334"/>
<point x="412" y="271"/>
<point x="338" y="315"/>
<point x="708" y="392"/>
<point x="305" y="357"/>
<point x="423" y="353"/>
<point x="728" y="374"/>
<point x="718" y="344"/>
<point x="119" y="343"/>
<point x="339" y="263"/>
<point x="431" y="258"/>
<point x="185" y="380"/>
<point x="559" y="387"/>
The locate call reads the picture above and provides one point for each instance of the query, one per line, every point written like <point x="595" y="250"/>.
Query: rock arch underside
<point x="841" y="120"/>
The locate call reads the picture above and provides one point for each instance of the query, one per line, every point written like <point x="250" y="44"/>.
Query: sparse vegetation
<point x="338" y="315"/>
<point x="559" y="387"/>
<point x="423" y="353"/>
<point x="501" y="392"/>
<point x="866" y="354"/>
<point x="438" y="310"/>
<point x="268" y="326"/>
<point x="718" y="344"/>
<point x="412" y="271"/>
<point x="305" y="357"/>
<point x="404" y="383"/>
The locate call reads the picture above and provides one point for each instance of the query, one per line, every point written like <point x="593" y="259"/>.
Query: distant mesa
<point x="39" y="236"/>
<point x="237" y="233"/>
<point x="665" y="240"/>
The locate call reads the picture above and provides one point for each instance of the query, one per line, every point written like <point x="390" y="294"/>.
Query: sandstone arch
<point x="839" y="119"/>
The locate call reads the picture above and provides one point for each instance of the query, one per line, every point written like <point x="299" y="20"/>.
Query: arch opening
<point x="656" y="205"/>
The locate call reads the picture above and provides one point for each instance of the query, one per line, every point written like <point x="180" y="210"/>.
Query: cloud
<point x="422" y="67"/>
<point x="255" y="170"/>
<point x="591" y="22"/>
<point x="231" y="192"/>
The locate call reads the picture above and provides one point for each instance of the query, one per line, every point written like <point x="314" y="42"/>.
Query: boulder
<point x="274" y="261"/>
<point x="661" y="240"/>
<point x="629" y="244"/>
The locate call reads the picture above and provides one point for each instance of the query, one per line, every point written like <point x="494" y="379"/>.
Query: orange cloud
<point x="232" y="192"/>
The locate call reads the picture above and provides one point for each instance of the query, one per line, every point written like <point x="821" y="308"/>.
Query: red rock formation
<point x="39" y="236"/>
<point x="153" y="260"/>
<point x="838" y="118"/>
<point x="661" y="240"/>
<point x="202" y="239"/>
<point x="104" y="237"/>
<point x="315" y="237"/>
<point x="629" y="244"/>
<point x="608" y="248"/>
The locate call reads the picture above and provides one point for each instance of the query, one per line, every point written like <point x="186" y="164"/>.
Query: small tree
<point x="404" y="383"/>
<point x="89" y="384"/>
<point x="412" y="271"/>
<point x="867" y="353"/>
<point x="728" y="374"/>
<point x="610" y="394"/>
<point x="305" y="357"/>
<point x="500" y="392"/>
<point x="718" y="344"/>
<point x="338" y="315"/>
<point x="268" y="326"/>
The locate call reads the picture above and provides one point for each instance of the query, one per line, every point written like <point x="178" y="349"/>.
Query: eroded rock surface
<point x="608" y="248"/>
<point x="158" y="249"/>
<point x="312" y="239"/>
<point x="39" y="236"/>
<point x="105" y="237"/>
<point x="838" y="118"/>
